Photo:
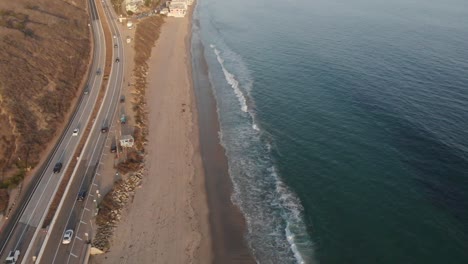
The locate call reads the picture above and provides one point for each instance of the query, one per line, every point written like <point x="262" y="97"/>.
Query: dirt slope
<point x="44" y="52"/>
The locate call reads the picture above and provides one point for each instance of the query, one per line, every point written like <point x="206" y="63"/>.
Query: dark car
<point x="113" y="148"/>
<point x="122" y="98"/>
<point x="98" y="72"/>
<point x="58" y="167"/>
<point x="117" y="60"/>
<point x="115" y="45"/>
<point x="104" y="129"/>
<point x="81" y="195"/>
<point x="86" y="89"/>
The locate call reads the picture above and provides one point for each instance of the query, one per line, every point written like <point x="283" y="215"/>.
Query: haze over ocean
<point x="345" y="124"/>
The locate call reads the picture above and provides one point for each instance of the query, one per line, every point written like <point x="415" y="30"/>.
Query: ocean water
<point x="345" y="125"/>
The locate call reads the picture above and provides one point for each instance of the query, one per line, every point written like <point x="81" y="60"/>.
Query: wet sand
<point x="227" y="223"/>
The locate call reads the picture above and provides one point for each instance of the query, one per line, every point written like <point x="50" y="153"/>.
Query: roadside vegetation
<point x="119" y="6"/>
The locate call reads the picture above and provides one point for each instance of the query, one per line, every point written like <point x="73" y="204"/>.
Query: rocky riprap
<point x="110" y="209"/>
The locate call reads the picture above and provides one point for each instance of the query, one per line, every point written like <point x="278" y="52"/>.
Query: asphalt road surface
<point x="78" y="215"/>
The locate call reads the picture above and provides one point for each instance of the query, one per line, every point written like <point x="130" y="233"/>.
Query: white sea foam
<point x="248" y="167"/>
<point x="290" y="237"/>
<point x="231" y="79"/>
<point x="293" y="208"/>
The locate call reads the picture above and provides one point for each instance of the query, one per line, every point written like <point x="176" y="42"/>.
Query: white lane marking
<point x="24" y="230"/>
<point x="73" y="255"/>
<point x="87" y="209"/>
<point x="83" y="222"/>
<point x="74" y="203"/>
<point x="79" y="238"/>
<point x="99" y="45"/>
<point x="87" y="101"/>
<point x="119" y="76"/>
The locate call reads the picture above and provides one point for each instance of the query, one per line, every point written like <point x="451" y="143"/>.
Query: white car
<point x="67" y="236"/>
<point x="12" y="257"/>
<point x="75" y="132"/>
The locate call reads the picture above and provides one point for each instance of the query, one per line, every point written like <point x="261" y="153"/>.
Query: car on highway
<point x="98" y="72"/>
<point x="117" y="60"/>
<point x="81" y="195"/>
<point x="58" y="167"/>
<point x="67" y="237"/>
<point x="86" y="90"/>
<point x="115" y="46"/>
<point x="75" y="132"/>
<point x="12" y="257"/>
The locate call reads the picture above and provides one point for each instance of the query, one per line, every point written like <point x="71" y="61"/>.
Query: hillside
<point x="44" y="52"/>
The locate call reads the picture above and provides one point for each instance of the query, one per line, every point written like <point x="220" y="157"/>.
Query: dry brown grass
<point x="147" y="32"/>
<point x="119" y="6"/>
<point x="4" y="197"/>
<point x="107" y="205"/>
<point x="44" y="50"/>
<point x="132" y="163"/>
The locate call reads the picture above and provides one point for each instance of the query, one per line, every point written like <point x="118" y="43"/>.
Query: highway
<point x="24" y="232"/>
<point x="74" y="214"/>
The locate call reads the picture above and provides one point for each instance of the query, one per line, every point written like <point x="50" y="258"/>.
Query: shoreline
<point x="183" y="211"/>
<point x="227" y="223"/>
<point x="205" y="246"/>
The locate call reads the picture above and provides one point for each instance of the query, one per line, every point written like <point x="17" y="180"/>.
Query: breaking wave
<point x="231" y="79"/>
<point x="273" y="212"/>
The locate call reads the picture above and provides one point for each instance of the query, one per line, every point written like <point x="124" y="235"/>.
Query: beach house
<point x="177" y="9"/>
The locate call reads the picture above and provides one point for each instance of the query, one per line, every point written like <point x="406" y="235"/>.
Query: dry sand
<point x="167" y="222"/>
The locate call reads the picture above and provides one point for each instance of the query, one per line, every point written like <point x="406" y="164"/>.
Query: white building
<point x="133" y="5"/>
<point x="177" y="9"/>
<point x="127" y="141"/>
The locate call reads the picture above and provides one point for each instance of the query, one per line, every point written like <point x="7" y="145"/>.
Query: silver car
<point x="12" y="257"/>
<point x="67" y="236"/>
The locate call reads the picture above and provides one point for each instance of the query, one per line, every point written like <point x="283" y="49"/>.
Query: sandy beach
<point x="167" y="222"/>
